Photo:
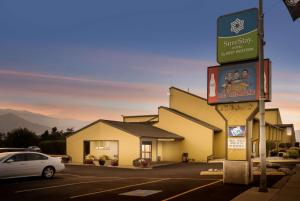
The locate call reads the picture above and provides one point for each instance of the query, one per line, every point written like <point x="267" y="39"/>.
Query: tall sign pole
<point x="262" y="136"/>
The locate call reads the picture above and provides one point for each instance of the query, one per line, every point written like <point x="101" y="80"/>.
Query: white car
<point x="25" y="164"/>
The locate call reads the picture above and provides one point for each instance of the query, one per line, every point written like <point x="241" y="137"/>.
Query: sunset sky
<point x="102" y="59"/>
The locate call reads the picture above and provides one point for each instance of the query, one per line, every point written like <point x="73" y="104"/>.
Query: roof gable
<point x="140" y="129"/>
<point x="205" y="124"/>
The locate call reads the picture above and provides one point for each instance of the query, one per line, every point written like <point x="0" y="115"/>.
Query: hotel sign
<point x="238" y="82"/>
<point x="237" y="36"/>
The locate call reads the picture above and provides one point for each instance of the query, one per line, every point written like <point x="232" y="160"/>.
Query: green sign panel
<point x="237" y="38"/>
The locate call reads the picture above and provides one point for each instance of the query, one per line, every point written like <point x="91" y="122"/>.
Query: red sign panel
<point x="238" y="82"/>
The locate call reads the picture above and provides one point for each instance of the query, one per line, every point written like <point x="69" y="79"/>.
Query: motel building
<point x="189" y="125"/>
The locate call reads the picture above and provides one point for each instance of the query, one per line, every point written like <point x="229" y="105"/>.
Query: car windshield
<point x="3" y="156"/>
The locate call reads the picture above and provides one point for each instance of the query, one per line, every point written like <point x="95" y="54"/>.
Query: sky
<point x="102" y="59"/>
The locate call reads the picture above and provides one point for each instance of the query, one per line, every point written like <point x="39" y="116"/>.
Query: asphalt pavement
<point x="174" y="182"/>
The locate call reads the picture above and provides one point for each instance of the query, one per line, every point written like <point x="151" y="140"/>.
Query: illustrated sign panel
<point x="237" y="36"/>
<point x="236" y="131"/>
<point x="236" y="143"/>
<point x="233" y="83"/>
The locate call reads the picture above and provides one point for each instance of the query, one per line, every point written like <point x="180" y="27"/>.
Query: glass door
<point x="147" y="150"/>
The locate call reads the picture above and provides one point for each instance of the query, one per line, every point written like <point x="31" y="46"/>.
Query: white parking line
<point x="195" y="179"/>
<point x="63" y="185"/>
<point x="191" y="190"/>
<point x="113" y="189"/>
<point x="82" y="176"/>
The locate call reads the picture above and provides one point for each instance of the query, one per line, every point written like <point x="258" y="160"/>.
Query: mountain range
<point x="38" y="123"/>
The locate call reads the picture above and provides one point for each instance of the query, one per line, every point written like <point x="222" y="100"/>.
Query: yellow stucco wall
<point x="272" y="116"/>
<point x="171" y="151"/>
<point x="129" y="145"/>
<point x="237" y="115"/>
<point x="140" y="118"/>
<point x="198" y="140"/>
<point x="273" y="134"/>
<point x="198" y="108"/>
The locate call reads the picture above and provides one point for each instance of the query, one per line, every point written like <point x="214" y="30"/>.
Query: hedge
<point x="53" y="146"/>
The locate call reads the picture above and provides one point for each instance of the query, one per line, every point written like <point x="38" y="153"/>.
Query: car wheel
<point x="48" y="172"/>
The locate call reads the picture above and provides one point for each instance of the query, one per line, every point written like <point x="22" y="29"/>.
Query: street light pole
<point x="262" y="136"/>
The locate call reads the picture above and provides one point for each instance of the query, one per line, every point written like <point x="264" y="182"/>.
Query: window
<point x="33" y="157"/>
<point x="18" y="157"/>
<point x="147" y="150"/>
<point x="102" y="145"/>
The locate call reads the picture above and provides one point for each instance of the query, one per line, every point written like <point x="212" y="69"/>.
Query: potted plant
<point x="65" y="158"/>
<point x="114" y="162"/>
<point x="89" y="159"/>
<point x="103" y="159"/>
<point x="145" y="162"/>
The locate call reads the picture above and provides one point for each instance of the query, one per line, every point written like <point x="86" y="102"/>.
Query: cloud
<point x="149" y="63"/>
<point x="79" y="79"/>
<point x="86" y="95"/>
<point x="79" y="98"/>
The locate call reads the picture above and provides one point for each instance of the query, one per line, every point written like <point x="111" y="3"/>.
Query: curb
<point x="255" y="173"/>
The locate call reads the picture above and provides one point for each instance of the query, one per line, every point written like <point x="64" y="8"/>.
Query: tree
<point x="56" y="135"/>
<point x="68" y="131"/>
<point x="2" y="139"/>
<point x="53" y="142"/>
<point x="22" y="138"/>
<point x="45" y="135"/>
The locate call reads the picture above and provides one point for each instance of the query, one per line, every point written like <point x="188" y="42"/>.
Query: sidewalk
<point x="288" y="189"/>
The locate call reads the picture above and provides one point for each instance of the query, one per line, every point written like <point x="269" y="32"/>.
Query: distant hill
<point x="9" y="121"/>
<point x="44" y="120"/>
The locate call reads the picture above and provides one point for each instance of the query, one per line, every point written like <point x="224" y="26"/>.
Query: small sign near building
<point x="236" y="137"/>
<point x="238" y="82"/>
<point x="237" y="36"/>
<point x="236" y="131"/>
<point x="237" y="143"/>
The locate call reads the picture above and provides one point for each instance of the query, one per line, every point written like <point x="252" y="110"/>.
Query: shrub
<point x="105" y="157"/>
<point x="53" y="146"/>
<point x="270" y="146"/>
<point x="282" y="145"/>
<point x="274" y="153"/>
<point x="293" y="154"/>
<point x="141" y="162"/>
<point x="281" y="153"/>
<point x="288" y="145"/>
<point x="285" y="155"/>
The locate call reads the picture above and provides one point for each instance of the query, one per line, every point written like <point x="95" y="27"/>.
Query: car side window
<point x="18" y="157"/>
<point x="33" y="157"/>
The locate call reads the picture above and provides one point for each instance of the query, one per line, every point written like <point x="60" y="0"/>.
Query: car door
<point x="15" y="166"/>
<point x="36" y="163"/>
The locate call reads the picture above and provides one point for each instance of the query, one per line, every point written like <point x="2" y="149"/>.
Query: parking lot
<point x="175" y="182"/>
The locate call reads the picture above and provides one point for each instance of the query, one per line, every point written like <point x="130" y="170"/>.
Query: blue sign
<point x="237" y="131"/>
